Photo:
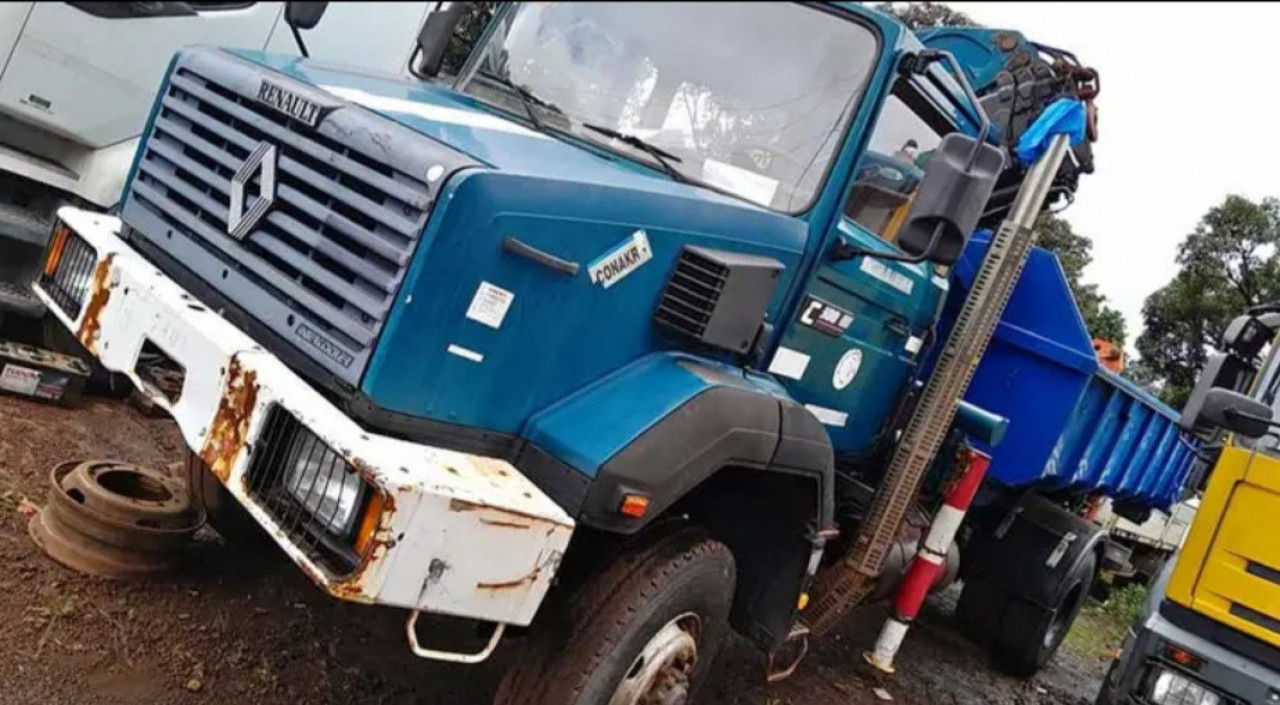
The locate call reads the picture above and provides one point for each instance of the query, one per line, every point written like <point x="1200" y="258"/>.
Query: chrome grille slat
<point x="284" y="137"/>
<point x="227" y="246"/>
<point x="185" y="138"/>
<point x="321" y="267"/>
<point x="286" y="165"/>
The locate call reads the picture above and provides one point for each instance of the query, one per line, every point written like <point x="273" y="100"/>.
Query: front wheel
<point x="644" y="630"/>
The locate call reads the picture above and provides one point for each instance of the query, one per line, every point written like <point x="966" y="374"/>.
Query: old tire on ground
<point x="648" y="625"/>
<point x="1029" y="635"/>
<point x="222" y="511"/>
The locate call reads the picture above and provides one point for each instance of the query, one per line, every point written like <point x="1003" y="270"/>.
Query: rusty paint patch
<point x="552" y="562"/>
<point x="99" y="294"/>
<point x="462" y="505"/>
<point x="230" y="427"/>
<point x="504" y="524"/>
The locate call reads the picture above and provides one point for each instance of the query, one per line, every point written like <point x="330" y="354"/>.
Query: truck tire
<point x="1029" y="635"/>
<point x="223" y="513"/>
<point x="646" y="629"/>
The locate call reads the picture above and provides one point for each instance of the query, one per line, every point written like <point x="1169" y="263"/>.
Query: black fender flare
<point x="1029" y="546"/>
<point x="722" y="426"/>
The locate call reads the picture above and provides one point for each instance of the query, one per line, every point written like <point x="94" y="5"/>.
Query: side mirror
<point x="304" y="15"/>
<point x="952" y="195"/>
<point x="1236" y="413"/>
<point x="433" y="38"/>
<point x="1221" y="372"/>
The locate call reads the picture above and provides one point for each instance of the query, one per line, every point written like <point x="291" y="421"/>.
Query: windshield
<point x="751" y="98"/>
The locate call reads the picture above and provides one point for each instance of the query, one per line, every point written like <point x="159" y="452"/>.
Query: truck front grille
<point x="351" y="200"/>
<point x="338" y="236"/>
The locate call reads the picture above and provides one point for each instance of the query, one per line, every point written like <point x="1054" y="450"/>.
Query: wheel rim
<point x="1064" y="616"/>
<point x="661" y="673"/>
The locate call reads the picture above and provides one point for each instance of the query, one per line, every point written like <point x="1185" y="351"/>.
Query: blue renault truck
<point x="604" y="344"/>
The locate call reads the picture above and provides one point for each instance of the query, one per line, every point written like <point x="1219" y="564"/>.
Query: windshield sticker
<point x="490" y="305"/>
<point x="847" y="368"/>
<point x="435" y="113"/>
<point x="892" y="277"/>
<point x="625" y="258"/>
<point x="747" y="184"/>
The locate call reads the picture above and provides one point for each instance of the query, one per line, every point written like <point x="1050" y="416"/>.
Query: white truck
<point x="1151" y="542"/>
<point x="77" y="80"/>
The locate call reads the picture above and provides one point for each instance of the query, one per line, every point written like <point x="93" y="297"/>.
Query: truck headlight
<point x="1174" y="689"/>
<point x="324" y="484"/>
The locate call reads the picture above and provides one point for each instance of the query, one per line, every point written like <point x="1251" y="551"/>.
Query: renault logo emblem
<point x="245" y="211"/>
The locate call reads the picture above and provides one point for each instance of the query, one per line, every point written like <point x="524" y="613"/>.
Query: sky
<point x="1186" y="115"/>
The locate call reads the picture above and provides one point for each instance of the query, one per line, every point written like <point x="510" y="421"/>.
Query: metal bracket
<point x="451" y="656"/>
<point x="1061" y="549"/>
<point x="1008" y="522"/>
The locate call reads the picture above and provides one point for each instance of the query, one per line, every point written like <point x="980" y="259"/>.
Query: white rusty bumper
<point x="459" y="534"/>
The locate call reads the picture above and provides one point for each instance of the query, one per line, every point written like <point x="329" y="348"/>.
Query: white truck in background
<point x="1150" y="543"/>
<point x="77" y="80"/>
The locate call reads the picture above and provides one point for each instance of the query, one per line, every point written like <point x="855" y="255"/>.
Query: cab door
<point x="89" y="71"/>
<point x="1236" y="581"/>
<point x="859" y="334"/>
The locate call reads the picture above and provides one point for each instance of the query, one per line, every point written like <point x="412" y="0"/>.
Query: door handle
<point x="546" y="259"/>
<point x="897" y="326"/>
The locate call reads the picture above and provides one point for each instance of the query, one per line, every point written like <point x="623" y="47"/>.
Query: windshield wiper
<point x="659" y="155"/>
<point x="526" y="96"/>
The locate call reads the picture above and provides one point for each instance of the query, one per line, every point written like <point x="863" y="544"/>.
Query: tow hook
<point x="784" y="660"/>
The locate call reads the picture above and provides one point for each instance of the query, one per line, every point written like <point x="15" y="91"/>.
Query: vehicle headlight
<point x="324" y="484"/>
<point x="1173" y="689"/>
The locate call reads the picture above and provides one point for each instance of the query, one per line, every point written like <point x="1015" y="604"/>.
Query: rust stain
<point x="351" y="586"/>
<point x="462" y="505"/>
<point x="511" y="584"/>
<point x="504" y="524"/>
<point x="99" y="294"/>
<point x="230" y="427"/>
<point x="552" y="561"/>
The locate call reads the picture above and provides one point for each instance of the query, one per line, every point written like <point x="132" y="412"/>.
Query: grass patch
<point x="1099" y="630"/>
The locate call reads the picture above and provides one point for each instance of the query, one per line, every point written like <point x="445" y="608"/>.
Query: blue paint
<point x="589" y="427"/>
<point x="1074" y="426"/>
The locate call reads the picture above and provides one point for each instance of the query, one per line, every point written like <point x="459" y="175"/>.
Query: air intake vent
<point x="718" y="297"/>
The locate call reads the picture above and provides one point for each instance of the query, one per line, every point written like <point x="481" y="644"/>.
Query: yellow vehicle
<point x="1210" y="631"/>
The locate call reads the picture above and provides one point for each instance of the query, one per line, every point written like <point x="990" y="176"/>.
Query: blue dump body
<point x="1075" y="427"/>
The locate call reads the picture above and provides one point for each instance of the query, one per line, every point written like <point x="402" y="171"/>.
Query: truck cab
<point x="603" y="312"/>
<point x="1209" y="632"/>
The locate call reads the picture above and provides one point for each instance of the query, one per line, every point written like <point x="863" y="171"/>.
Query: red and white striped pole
<point x="928" y="562"/>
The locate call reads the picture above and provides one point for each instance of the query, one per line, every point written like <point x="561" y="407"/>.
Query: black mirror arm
<point x="297" y="37"/>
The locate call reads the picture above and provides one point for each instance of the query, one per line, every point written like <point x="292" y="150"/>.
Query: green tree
<point x="925" y="14"/>
<point x="1228" y="263"/>
<point x="1075" y="252"/>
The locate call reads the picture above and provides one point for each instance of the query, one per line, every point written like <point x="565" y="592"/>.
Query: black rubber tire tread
<point x="578" y="633"/>
<point x="1018" y="647"/>
<point x="223" y="513"/>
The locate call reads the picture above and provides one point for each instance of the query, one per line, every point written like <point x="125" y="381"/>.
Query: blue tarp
<point x="1065" y="116"/>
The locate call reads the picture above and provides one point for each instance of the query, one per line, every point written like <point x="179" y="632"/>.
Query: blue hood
<point x="478" y="130"/>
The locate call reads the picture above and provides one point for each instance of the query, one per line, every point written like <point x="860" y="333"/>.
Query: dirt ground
<point x="238" y="627"/>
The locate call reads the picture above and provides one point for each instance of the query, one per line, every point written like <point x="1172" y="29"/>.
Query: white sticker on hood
<point x="887" y="274"/>
<point x="435" y="113"/>
<point x="789" y="363"/>
<point x="490" y="305"/>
